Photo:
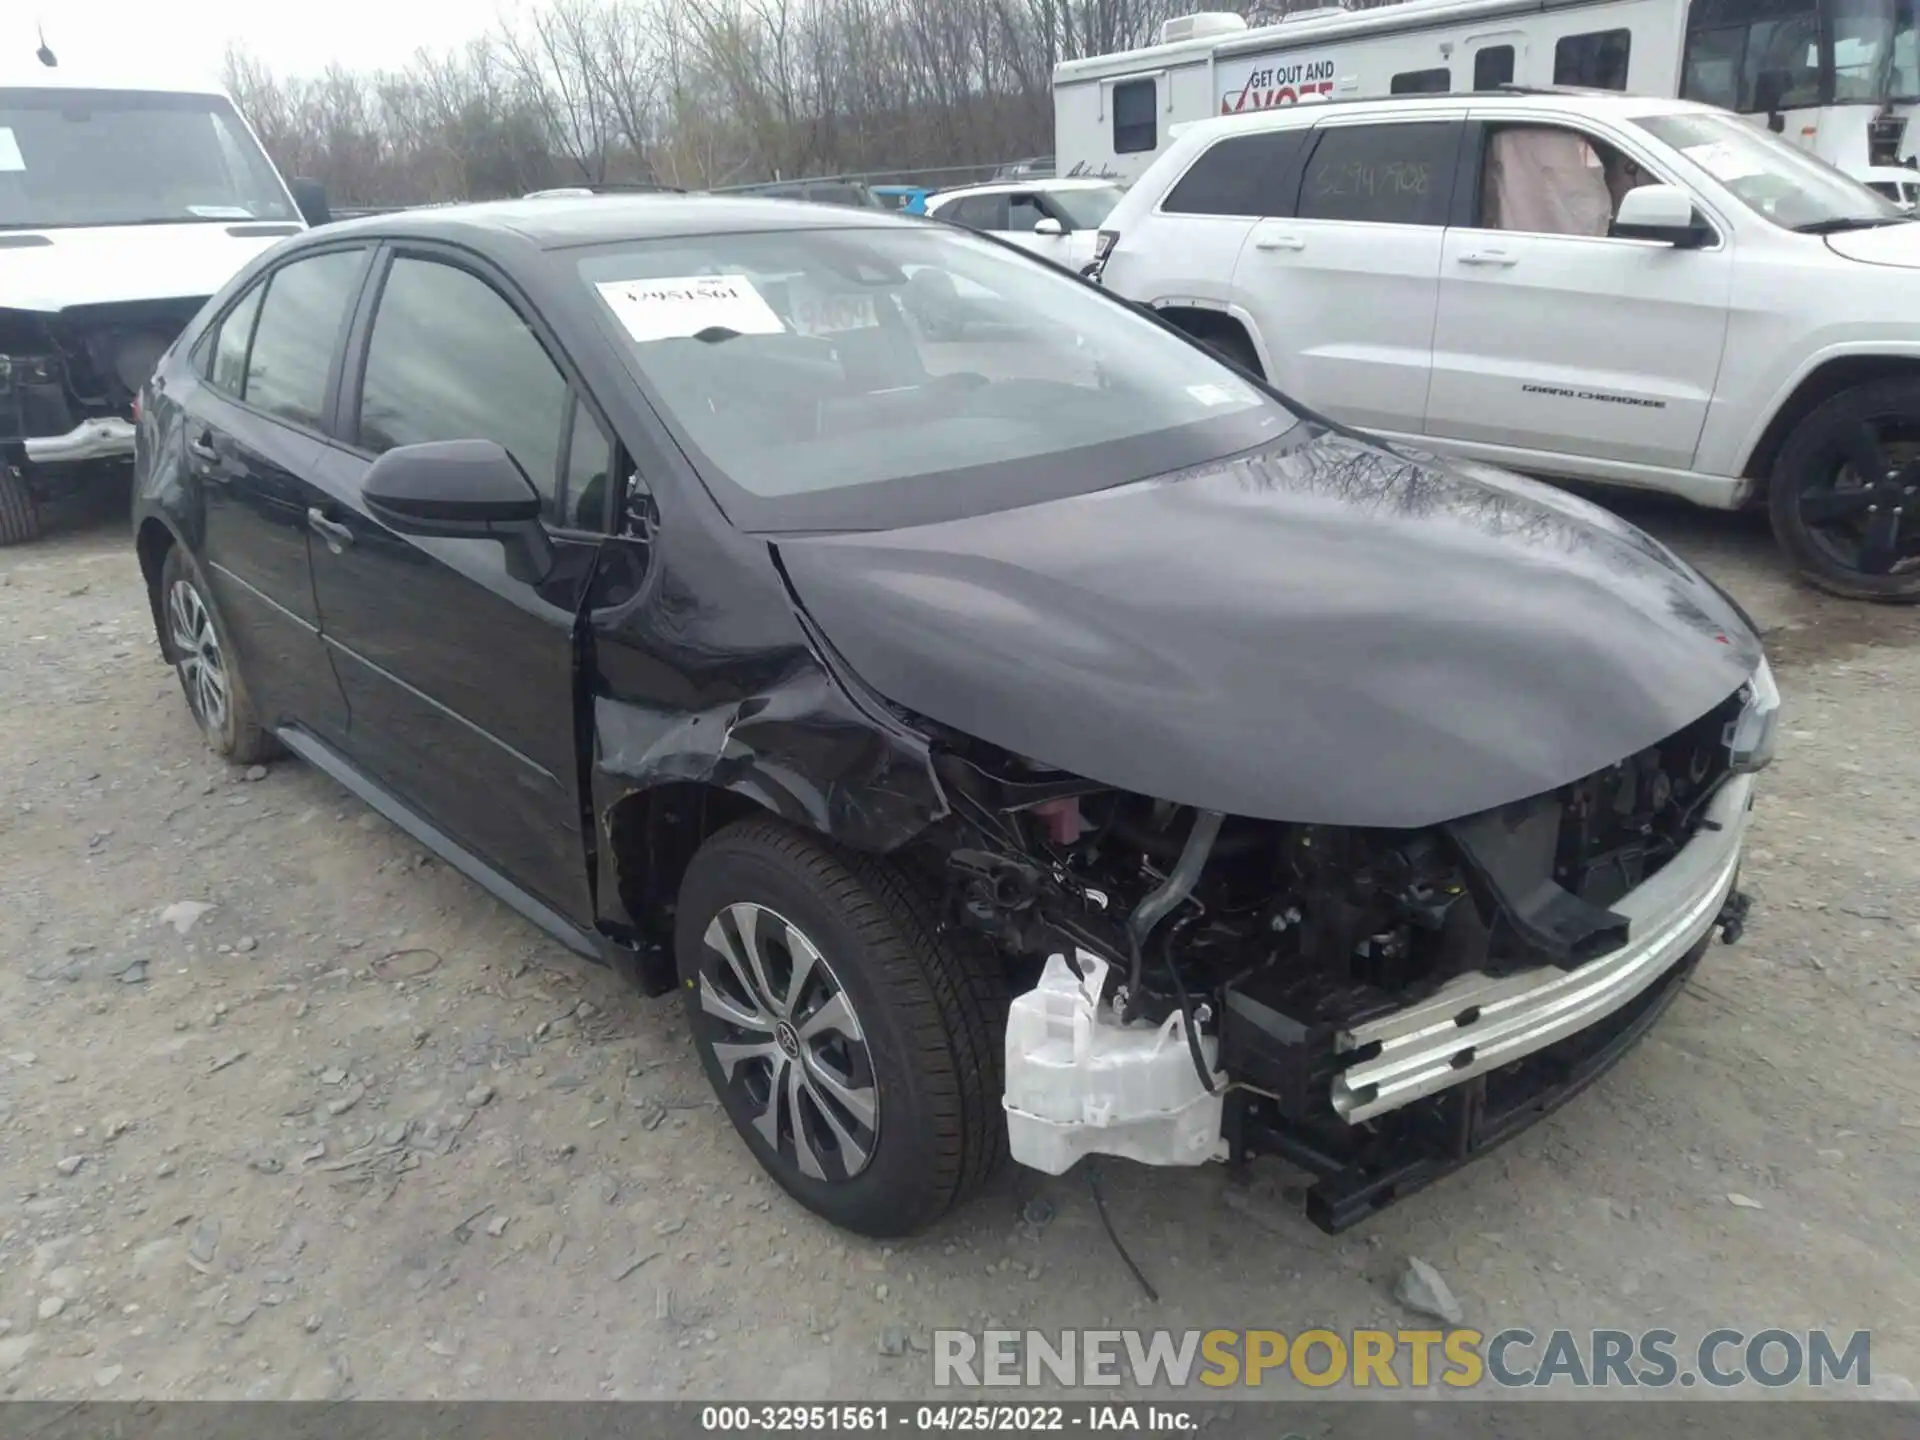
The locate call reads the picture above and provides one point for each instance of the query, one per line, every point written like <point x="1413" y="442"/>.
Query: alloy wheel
<point x="202" y="664"/>
<point x="1862" y="508"/>
<point x="784" y="1033"/>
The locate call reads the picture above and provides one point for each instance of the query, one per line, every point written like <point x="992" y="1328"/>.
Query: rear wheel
<point x="857" y="1051"/>
<point x="217" y="694"/>
<point x="19" y="514"/>
<point x="1845" y="493"/>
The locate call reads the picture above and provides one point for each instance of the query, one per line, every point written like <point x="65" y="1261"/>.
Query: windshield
<point x="118" y="157"/>
<point x="871" y="378"/>
<point x="1087" y="209"/>
<point x="1757" y="56"/>
<point x="1775" y="180"/>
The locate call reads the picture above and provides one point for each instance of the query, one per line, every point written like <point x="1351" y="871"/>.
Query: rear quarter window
<point x="1243" y="175"/>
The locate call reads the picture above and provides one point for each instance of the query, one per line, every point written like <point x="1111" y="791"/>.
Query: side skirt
<point x="323" y="758"/>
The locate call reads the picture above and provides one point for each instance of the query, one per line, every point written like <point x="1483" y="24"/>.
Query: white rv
<point x="1838" y="77"/>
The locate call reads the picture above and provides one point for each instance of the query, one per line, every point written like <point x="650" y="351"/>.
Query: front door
<point x="461" y="676"/>
<point x="1555" y="339"/>
<point x="1343" y="289"/>
<point x="252" y="424"/>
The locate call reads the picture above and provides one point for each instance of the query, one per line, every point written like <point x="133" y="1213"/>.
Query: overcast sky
<point x="183" y="40"/>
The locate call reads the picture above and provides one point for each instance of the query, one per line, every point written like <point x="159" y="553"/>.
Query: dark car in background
<point x="646" y="560"/>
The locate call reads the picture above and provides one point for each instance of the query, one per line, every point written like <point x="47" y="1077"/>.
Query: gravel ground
<point x="288" y="1109"/>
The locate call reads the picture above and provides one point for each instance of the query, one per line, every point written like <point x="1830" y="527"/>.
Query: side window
<point x="979" y="212"/>
<point x="1389" y="174"/>
<point x="1023" y="213"/>
<point x="450" y="359"/>
<point x="1240" y="176"/>
<point x="1135" y="117"/>
<point x="294" y="338"/>
<point x="1422" y="82"/>
<point x="1596" y="60"/>
<point x="1493" y="67"/>
<point x="587" y="481"/>
<point x="1544" y="180"/>
<point x="231" y="338"/>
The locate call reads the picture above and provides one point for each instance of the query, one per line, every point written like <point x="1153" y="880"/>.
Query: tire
<point x="204" y="659"/>
<point x="19" y="514"/>
<point x="1844" y="497"/>
<point x="920" y="1066"/>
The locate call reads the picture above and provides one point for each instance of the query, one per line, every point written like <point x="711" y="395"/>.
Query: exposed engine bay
<point x="85" y="362"/>
<point x="1271" y="941"/>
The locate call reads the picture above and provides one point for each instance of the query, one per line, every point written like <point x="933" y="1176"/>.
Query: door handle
<point x="1499" y="258"/>
<point x="337" y="536"/>
<point x="1279" y="242"/>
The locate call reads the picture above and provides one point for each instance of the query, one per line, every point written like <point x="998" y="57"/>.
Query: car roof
<point x="30" y="74"/>
<point x="1600" y="104"/>
<point x="1038" y="182"/>
<point x="560" y="222"/>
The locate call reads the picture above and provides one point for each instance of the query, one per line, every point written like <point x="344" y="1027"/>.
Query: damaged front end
<point x="1375" y="1005"/>
<point x="69" y="378"/>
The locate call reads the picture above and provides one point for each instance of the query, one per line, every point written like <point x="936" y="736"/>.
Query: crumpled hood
<point x="1317" y="631"/>
<point x="106" y="264"/>
<point x="1897" y="245"/>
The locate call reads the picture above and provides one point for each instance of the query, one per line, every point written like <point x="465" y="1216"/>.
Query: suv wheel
<point x="19" y="515"/>
<point x="1845" y="494"/>
<point x="197" y="644"/>
<point x="857" y="1051"/>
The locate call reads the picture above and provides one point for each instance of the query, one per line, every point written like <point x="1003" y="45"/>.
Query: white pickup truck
<point x="122" y="208"/>
<point x="1584" y="286"/>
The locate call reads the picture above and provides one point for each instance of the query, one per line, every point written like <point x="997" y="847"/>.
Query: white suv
<point x="1058" y="219"/>
<point x="1601" y="288"/>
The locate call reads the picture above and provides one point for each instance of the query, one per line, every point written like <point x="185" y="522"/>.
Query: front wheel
<point x="857" y="1051"/>
<point x="1845" y="493"/>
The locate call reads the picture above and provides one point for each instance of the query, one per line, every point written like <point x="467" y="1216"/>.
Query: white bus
<point x="1839" y="77"/>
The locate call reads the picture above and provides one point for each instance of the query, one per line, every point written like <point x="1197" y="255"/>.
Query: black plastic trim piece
<point x="323" y="758"/>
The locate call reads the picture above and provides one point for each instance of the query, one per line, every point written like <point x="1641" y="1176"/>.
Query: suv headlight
<point x="1750" y="738"/>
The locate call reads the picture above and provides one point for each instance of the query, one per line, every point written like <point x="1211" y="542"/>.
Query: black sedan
<point x="835" y="616"/>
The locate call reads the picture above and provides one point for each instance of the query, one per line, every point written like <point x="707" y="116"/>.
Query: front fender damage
<point x="800" y="748"/>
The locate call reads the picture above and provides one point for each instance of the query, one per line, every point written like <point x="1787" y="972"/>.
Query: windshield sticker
<point x="824" y="314"/>
<point x="1211" y="394"/>
<point x="686" y="305"/>
<point x="1723" y="160"/>
<point x="10" y="156"/>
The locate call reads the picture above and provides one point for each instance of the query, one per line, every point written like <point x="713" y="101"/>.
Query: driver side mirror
<point x="310" y="199"/>
<point x="1047" y="225"/>
<point x="457" y="490"/>
<point x="1660" y="212"/>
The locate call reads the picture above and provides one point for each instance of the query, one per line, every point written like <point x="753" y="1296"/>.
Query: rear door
<point x="1345" y="288"/>
<point x="1186" y="251"/>
<point x="461" y="677"/>
<point x="253" y="435"/>
<point x="1552" y="336"/>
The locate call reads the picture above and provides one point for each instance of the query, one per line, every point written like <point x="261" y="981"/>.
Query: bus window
<point x="1493" y="67"/>
<point x="1873" y="58"/>
<point x="1755" y="56"/>
<point x="1422" y="82"/>
<point x="1596" y="60"/>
